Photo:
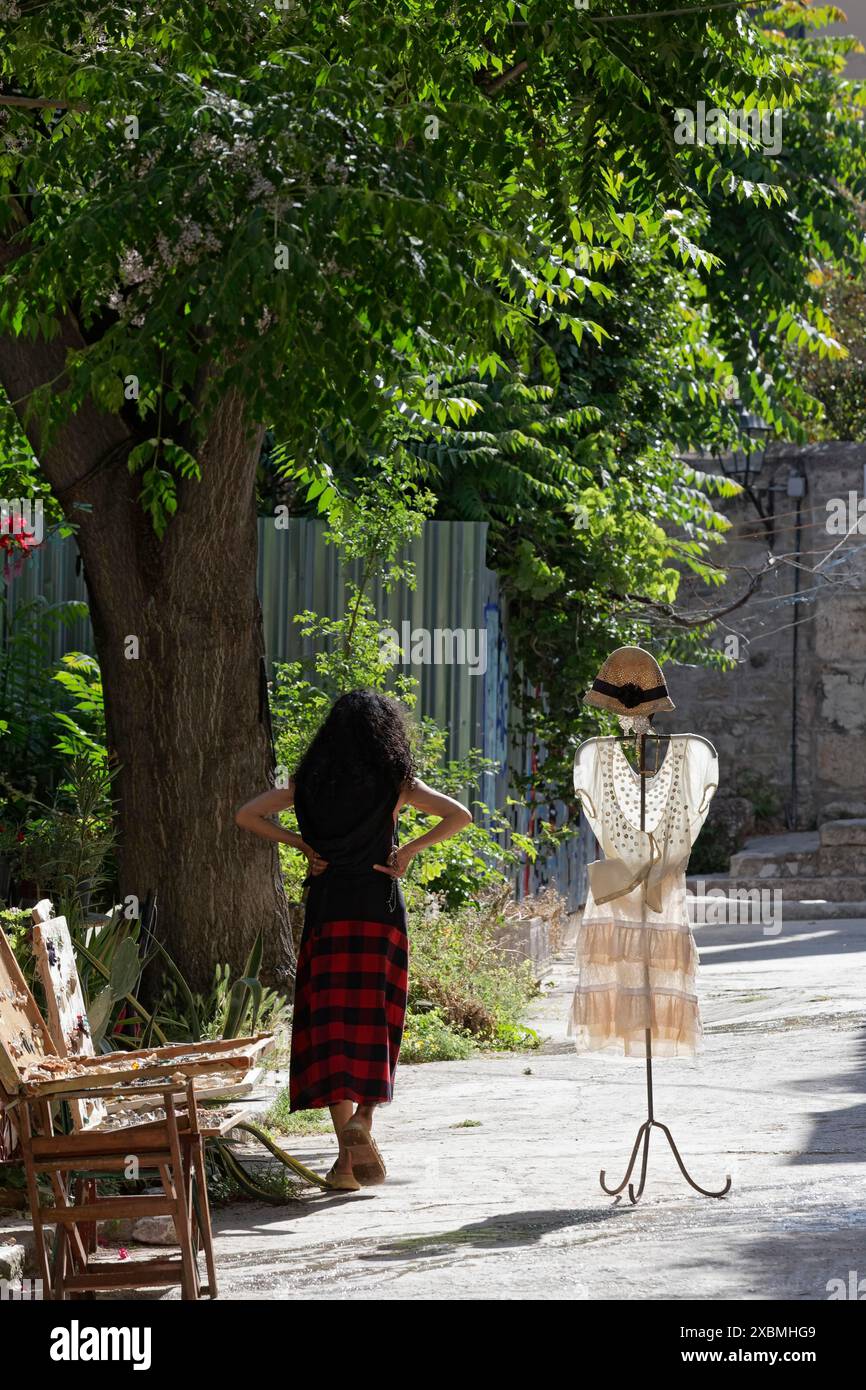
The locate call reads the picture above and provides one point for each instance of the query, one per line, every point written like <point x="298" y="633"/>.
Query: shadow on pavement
<point x="515" y="1228"/>
<point x="839" y="1134"/>
<point x="746" y="944"/>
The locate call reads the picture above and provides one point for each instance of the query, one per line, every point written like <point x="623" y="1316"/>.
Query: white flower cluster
<point x="332" y="167"/>
<point x="133" y="270"/>
<point x="233" y="155"/>
<point x="12" y="143"/>
<point x="192" y="242"/>
<point x="260" y="186"/>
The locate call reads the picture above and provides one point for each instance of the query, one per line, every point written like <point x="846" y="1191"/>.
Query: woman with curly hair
<point x="351" y="983"/>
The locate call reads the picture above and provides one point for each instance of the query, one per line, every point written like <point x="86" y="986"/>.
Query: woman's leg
<point x="340" y="1113"/>
<point x="365" y="1113"/>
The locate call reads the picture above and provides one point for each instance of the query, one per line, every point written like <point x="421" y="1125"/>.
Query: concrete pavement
<point x="493" y="1163"/>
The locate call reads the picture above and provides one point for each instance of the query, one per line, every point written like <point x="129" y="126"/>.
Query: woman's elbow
<point x="465" y="818"/>
<point x="242" y="817"/>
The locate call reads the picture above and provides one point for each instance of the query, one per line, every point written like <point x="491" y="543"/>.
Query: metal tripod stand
<point x="651" y="1123"/>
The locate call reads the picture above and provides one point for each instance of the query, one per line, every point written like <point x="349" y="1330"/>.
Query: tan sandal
<point x="342" y="1182"/>
<point x="368" y="1165"/>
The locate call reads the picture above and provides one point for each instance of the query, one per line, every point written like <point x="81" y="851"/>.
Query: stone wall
<point x="789" y="722"/>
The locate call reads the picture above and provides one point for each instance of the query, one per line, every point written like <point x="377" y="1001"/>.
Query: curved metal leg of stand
<point x="615" y="1191"/>
<point x="635" y="1196"/>
<point x="704" y="1191"/>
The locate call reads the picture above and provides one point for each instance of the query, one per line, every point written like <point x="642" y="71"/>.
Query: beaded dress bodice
<point x="635" y="948"/>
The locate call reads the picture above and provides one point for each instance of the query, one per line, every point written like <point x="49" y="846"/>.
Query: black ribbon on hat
<point x="628" y="693"/>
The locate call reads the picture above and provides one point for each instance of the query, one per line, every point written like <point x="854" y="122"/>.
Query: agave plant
<point x="112" y="959"/>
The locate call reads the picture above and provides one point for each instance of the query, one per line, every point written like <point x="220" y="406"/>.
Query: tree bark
<point x="178" y="633"/>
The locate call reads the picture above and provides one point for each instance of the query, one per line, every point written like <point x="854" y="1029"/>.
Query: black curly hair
<point x="364" y="741"/>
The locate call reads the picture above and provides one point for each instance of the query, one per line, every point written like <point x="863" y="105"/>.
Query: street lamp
<point x="746" y="464"/>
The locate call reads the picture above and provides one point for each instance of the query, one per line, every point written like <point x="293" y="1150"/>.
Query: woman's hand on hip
<point x="398" y="862"/>
<point x="317" y="864"/>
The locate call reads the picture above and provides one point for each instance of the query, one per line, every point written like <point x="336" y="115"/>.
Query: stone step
<point x="828" y="861"/>
<point x="824" y="912"/>
<point x="794" y="888"/>
<point x="755" y="863"/>
<point x="785" y="842"/>
<point x="842" y="860"/>
<point x="793" y="911"/>
<point x="843" y="832"/>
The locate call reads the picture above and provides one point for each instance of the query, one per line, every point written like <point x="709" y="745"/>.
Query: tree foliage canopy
<point x="323" y="207"/>
<point x="440" y="175"/>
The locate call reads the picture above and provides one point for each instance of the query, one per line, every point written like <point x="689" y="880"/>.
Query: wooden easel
<point x="650" y="1123"/>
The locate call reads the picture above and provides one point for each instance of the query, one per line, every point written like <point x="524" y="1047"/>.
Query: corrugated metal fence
<point x="455" y="591"/>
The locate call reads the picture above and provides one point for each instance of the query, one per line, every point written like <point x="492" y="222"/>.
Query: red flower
<point x="17" y="542"/>
<point x="20" y="836"/>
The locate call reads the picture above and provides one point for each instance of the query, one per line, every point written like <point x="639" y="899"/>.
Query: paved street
<point x="509" y="1206"/>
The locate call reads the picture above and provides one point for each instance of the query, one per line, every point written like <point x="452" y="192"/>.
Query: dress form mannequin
<point x="638" y="959"/>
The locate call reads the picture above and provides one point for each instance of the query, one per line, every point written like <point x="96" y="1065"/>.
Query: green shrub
<point x="66" y="844"/>
<point x="15" y="922"/>
<point x="279" y="1119"/>
<point x="765" y="803"/>
<point x="429" y="1038"/>
<point x="711" y="853"/>
<point x="457" y="965"/>
<point x="458" y="869"/>
<point x="29" y="694"/>
<point x="293" y="866"/>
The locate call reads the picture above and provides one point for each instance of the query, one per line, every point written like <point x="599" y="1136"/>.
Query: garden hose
<point x="234" y="1167"/>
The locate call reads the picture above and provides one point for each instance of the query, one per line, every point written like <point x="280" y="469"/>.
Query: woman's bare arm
<point x="253" y="816"/>
<point x="454" y="817"/>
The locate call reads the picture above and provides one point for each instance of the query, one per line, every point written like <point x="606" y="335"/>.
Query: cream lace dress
<point x="636" y="953"/>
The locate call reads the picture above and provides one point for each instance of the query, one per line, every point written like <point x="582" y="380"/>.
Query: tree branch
<point x="39" y="102"/>
<point x="491" y="88"/>
<point x="690" y="620"/>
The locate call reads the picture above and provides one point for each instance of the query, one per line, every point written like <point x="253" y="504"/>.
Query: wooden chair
<point x="34" y="1077"/>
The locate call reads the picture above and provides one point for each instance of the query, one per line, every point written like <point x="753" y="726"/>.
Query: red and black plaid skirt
<point x="350" y="1005"/>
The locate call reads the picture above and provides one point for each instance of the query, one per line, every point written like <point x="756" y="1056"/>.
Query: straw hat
<point x="630" y="682"/>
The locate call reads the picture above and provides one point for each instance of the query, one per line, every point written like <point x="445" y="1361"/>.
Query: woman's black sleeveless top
<point x="352" y="828"/>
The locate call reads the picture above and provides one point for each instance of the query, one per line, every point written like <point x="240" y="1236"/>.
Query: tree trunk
<point x="184" y="715"/>
<point x="179" y="638"/>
